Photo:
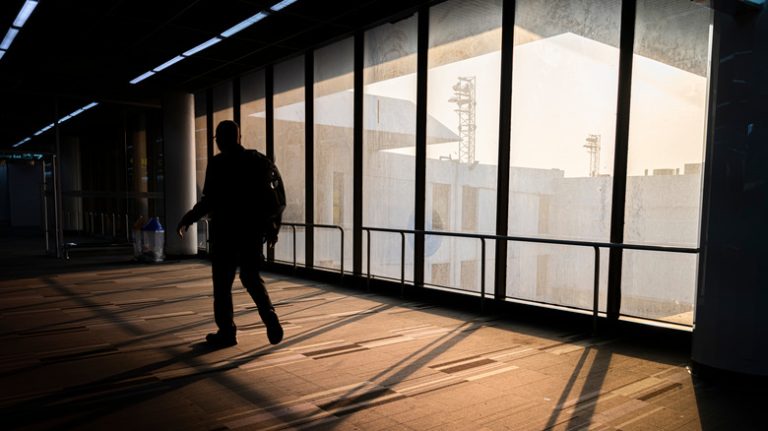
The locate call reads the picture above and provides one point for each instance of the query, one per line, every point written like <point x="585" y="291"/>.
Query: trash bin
<point x="153" y="240"/>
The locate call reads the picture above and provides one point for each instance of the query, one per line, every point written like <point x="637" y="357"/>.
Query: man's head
<point x="227" y="136"/>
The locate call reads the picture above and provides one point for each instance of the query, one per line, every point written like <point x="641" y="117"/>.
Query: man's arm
<point x="196" y="213"/>
<point x="201" y="208"/>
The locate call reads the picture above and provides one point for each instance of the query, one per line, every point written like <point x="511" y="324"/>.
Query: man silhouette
<point x="233" y="198"/>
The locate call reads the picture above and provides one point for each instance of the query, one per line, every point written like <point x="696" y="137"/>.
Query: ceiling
<point x="72" y="52"/>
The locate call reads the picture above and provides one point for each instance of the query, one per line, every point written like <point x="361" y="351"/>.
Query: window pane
<point x="565" y="77"/>
<point x="222" y="107"/>
<point x="463" y="138"/>
<point x="289" y="151"/>
<point x="389" y="110"/>
<point x="253" y="107"/>
<point x="333" y="157"/>
<point x="666" y="154"/>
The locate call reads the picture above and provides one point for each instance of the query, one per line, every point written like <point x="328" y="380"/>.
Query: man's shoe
<point x="218" y="339"/>
<point x="274" y="329"/>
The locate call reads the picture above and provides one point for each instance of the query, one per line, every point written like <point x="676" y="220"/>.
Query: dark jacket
<point x="233" y="197"/>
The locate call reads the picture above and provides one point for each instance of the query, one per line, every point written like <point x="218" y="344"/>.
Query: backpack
<point x="272" y="196"/>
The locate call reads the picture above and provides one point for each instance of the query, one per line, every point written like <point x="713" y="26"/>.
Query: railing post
<point x="482" y="275"/>
<point x="596" y="294"/>
<point x="114" y="227"/>
<point x="341" y="250"/>
<point x="293" y="228"/>
<point x="45" y="214"/>
<point x="402" y="264"/>
<point x="368" y="258"/>
<point x="103" y="231"/>
<point x="207" y="236"/>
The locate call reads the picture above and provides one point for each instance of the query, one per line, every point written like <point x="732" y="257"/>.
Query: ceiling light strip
<point x="43" y="130"/>
<point x="21" y="19"/>
<point x="282" y="5"/>
<point x="142" y="77"/>
<point x="202" y="46"/>
<point x="24" y="13"/>
<point x="8" y="39"/>
<point x="61" y="120"/>
<point x="242" y="25"/>
<point x="245" y="24"/>
<point x="169" y="63"/>
<point x="23" y="141"/>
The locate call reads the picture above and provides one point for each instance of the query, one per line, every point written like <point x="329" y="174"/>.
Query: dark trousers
<point x="225" y="261"/>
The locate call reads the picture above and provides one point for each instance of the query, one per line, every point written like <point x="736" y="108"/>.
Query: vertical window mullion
<point x="357" y="239"/>
<point x="422" y="71"/>
<point x="269" y="87"/>
<point x="626" y="52"/>
<point x="309" y="139"/>
<point x="505" y="125"/>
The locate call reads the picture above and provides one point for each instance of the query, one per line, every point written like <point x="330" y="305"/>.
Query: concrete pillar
<point x="179" y="147"/>
<point x="732" y="302"/>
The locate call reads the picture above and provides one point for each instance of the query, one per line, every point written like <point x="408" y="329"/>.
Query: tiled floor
<point x="101" y="344"/>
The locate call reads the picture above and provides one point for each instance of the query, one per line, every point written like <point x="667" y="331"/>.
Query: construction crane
<point x="593" y="147"/>
<point x="464" y="98"/>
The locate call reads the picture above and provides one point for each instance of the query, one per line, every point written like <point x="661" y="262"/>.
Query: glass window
<point x="564" y="89"/>
<point x="389" y="122"/>
<point x="441" y="207"/>
<point x="290" y="151"/>
<point x="334" y="151"/>
<point x="462" y="137"/>
<point x="253" y="111"/>
<point x="665" y="158"/>
<point x="469" y="208"/>
<point x="222" y="107"/>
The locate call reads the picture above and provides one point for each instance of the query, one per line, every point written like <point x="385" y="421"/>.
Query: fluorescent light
<point x="76" y="112"/>
<point x="23" y="141"/>
<point x="61" y="120"/>
<point x="245" y="24"/>
<point x="213" y="41"/>
<point x="282" y="5"/>
<point x="2" y="53"/>
<point x="79" y="111"/>
<point x="12" y="32"/>
<point x="43" y="130"/>
<point x="202" y="46"/>
<point x="24" y="13"/>
<point x="169" y="63"/>
<point x="142" y="77"/>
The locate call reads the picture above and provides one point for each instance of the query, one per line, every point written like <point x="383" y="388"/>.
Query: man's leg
<point x="254" y="284"/>
<point x="223" y="268"/>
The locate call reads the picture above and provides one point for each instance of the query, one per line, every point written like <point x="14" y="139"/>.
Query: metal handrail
<point x="596" y="246"/>
<point x="293" y="227"/>
<point x="402" y="256"/>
